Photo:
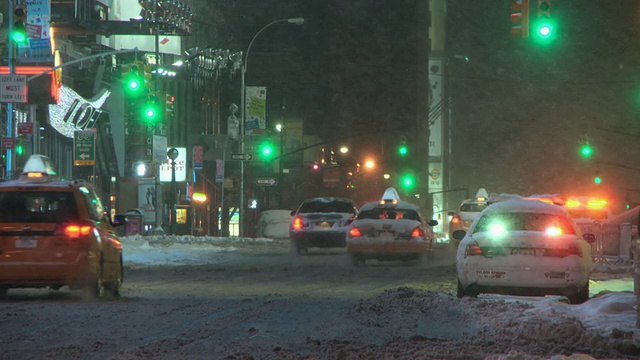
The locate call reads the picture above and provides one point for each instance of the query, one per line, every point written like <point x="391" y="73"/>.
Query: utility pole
<point x="422" y="106"/>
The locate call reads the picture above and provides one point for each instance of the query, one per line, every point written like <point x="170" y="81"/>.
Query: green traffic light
<point x="134" y="85"/>
<point x="19" y="36"/>
<point x="266" y="150"/>
<point x="586" y="150"/>
<point x="544" y="31"/>
<point x="597" y="180"/>
<point x="150" y="112"/>
<point x="403" y="150"/>
<point x="407" y="181"/>
<point x="19" y="150"/>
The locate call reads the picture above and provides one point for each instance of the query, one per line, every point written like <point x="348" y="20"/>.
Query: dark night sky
<point x="519" y="109"/>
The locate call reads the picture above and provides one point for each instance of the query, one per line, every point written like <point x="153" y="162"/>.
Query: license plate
<point x="523" y="252"/>
<point x="26" y="243"/>
<point x="386" y="234"/>
<point x="323" y="225"/>
<point x="492" y="274"/>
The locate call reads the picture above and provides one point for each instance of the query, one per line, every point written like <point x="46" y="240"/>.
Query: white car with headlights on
<point x="524" y="247"/>
<point x="390" y="229"/>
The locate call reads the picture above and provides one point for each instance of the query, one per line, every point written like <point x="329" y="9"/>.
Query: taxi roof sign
<point x="390" y="196"/>
<point x="39" y="164"/>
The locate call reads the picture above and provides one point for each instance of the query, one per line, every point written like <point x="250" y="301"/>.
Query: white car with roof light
<point x="390" y="229"/>
<point x="524" y="247"/>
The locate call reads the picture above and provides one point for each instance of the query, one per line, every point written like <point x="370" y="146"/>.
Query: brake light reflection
<point x="473" y="250"/>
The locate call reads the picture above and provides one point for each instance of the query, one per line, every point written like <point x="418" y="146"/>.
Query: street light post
<point x="173" y="155"/>
<point x="243" y="105"/>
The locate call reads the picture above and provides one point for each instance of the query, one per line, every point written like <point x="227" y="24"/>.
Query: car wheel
<point x="460" y="292"/>
<point x="93" y="289"/>
<point x="298" y="249"/>
<point x="580" y="296"/>
<point x="4" y="292"/>
<point x="358" y="260"/>
<point x="112" y="288"/>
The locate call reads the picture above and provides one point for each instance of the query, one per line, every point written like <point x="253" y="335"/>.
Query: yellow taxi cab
<point x="56" y="233"/>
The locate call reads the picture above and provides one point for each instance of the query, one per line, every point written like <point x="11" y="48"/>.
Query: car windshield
<point x="37" y="206"/>
<point x="320" y="206"/>
<point x="524" y="221"/>
<point x="473" y="207"/>
<point x="391" y="214"/>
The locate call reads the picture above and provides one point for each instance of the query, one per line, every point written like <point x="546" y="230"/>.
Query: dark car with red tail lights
<point x="321" y="222"/>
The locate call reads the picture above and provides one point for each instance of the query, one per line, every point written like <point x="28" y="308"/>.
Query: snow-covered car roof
<point x="400" y="204"/>
<point x="526" y="205"/>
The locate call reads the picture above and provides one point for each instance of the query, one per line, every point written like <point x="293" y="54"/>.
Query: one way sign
<point x="266" y="182"/>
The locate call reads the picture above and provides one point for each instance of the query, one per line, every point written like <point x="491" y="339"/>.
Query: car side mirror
<point x="589" y="237"/>
<point x="119" y="220"/>
<point x="433" y="223"/>
<point x="293" y="212"/>
<point x="458" y="234"/>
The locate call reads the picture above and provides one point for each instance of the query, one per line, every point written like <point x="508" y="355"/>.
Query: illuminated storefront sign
<point x="181" y="167"/>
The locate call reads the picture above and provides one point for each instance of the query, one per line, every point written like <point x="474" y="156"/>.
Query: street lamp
<point x="173" y="155"/>
<point x="243" y="104"/>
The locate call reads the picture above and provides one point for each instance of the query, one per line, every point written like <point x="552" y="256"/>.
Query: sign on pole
<point x="198" y="157"/>
<point x="13" y="88"/>
<point x="84" y="148"/>
<point x="241" y="157"/>
<point x="266" y="181"/>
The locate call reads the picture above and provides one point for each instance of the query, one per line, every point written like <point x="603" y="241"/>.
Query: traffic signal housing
<point x="403" y="149"/>
<point x="169" y="101"/>
<point x="544" y="26"/>
<point x="519" y="14"/>
<point x="19" y="31"/>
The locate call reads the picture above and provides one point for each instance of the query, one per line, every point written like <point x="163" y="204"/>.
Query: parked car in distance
<point x="274" y="224"/>
<point x="468" y="211"/>
<point x="57" y="233"/>
<point x="390" y="229"/>
<point x="321" y="222"/>
<point x="524" y="247"/>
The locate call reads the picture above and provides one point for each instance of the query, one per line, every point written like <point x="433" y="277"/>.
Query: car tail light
<point x="73" y="230"/>
<point x="455" y="219"/>
<point x="553" y="231"/>
<point x="355" y="232"/>
<point x="417" y="232"/>
<point x="473" y="250"/>
<point x="297" y="223"/>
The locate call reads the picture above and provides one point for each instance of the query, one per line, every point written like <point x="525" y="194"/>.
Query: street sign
<point x="240" y="156"/>
<point x="266" y="182"/>
<point x="8" y="143"/>
<point x="13" y="88"/>
<point x="198" y="157"/>
<point x="84" y="148"/>
<point x="25" y="128"/>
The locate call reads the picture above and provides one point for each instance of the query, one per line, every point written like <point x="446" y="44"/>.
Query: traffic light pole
<point x="9" y="160"/>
